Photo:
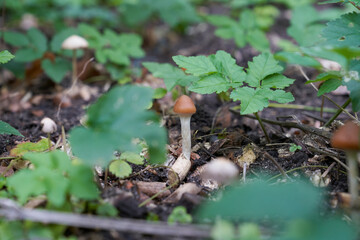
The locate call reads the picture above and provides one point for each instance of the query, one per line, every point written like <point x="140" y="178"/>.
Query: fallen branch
<point x="11" y="211"/>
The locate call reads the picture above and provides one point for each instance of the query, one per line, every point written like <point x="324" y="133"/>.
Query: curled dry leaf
<point x="191" y="188"/>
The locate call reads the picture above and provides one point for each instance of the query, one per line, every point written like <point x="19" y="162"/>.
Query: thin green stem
<point x="302" y="107"/>
<point x="295" y="169"/>
<point x="338" y="112"/>
<point x="262" y="127"/>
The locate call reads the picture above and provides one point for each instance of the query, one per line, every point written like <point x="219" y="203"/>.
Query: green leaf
<point x="26" y="147"/>
<point x="297" y="58"/>
<point x="344" y="31"/>
<point x="276" y="81"/>
<point x="227" y="66"/>
<point x="280" y="96"/>
<point x="120" y="168"/>
<point x="55" y="160"/>
<point x="82" y="184"/>
<point x="210" y="84"/>
<point x="27" y="55"/>
<point x="261" y="67"/>
<point x="5" y="128"/>
<point x="57" y="70"/>
<point x="354" y="88"/>
<point x="132" y="157"/>
<point x="222" y="230"/>
<point x="16" y="39"/>
<point x="38" y="40"/>
<point x="258" y="40"/>
<point x="326" y="76"/>
<point x="252" y="100"/>
<point x="114" y="121"/>
<point x="5" y="56"/>
<point x="171" y="75"/>
<point x="329" y="86"/>
<point x="199" y="65"/>
<point x="246" y="202"/>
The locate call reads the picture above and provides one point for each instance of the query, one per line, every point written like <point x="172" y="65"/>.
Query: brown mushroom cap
<point x="347" y="137"/>
<point x="184" y="105"/>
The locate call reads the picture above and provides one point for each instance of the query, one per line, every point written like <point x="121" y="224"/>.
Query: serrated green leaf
<point x="117" y="56"/>
<point x="171" y="75"/>
<point x="344" y="31"/>
<point x="261" y="67"/>
<point x="16" y="39"/>
<point x="199" y="65"/>
<point x="5" y="56"/>
<point x="6" y="128"/>
<point x="280" y="96"/>
<point x="210" y="84"/>
<point x="26" y="147"/>
<point x="220" y="20"/>
<point x="132" y="157"/>
<point x="252" y="100"/>
<point x="329" y="86"/>
<point x="227" y="66"/>
<point x="55" y="160"/>
<point x="276" y="81"/>
<point x="120" y="168"/>
<point x="38" y="40"/>
<point x="114" y="121"/>
<point x="57" y="70"/>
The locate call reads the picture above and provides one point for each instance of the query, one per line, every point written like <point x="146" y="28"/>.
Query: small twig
<point x="157" y="194"/>
<point x="337" y="113"/>
<point x="10" y="210"/>
<point x="328" y="170"/>
<point x="301" y="107"/>
<point x="302" y="127"/>
<point x="295" y="169"/>
<point x="72" y="86"/>
<point x="262" y="127"/>
<point x="337" y="105"/>
<point x="267" y="155"/>
<point x="354" y="4"/>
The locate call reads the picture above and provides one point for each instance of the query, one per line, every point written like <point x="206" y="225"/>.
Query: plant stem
<point x="157" y="194"/>
<point x="262" y="127"/>
<point x="354" y="4"/>
<point x="337" y="113"/>
<point x="302" y="107"/>
<point x="49" y="141"/>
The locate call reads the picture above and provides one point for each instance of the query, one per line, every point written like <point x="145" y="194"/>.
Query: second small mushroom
<point x="185" y="108"/>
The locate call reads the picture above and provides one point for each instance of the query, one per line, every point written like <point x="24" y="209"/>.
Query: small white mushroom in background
<point x="73" y="43"/>
<point x="220" y="170"/>
<point x="48" y="127"/>
<point x="185" y="108"/>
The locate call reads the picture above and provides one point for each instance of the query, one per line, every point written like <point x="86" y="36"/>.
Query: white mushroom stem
<point x="352" y="177"/>
<point x="74" y="67"/>
<point x="186" y="135"/>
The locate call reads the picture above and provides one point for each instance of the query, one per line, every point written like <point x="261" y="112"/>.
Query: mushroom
<point x="347" y="139"/>
<point x="73" y="43"/>
<point x="184" y="107"/>
<point x="48" y="127"/>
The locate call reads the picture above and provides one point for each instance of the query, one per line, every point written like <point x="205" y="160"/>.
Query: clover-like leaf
<point x="114" y="121"/>
<point x="120" y="168"/>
